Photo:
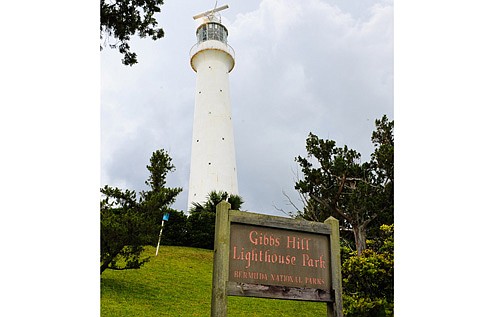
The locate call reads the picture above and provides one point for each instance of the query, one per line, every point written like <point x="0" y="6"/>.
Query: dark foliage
<point x="201" y="228"/>
<point x="201" y="221"/>
<point x="120" y="19"/>
<point x="156" y="201"/>
<point x="336" y="183"/>
<point x="127" y="224"/>
<point x="122" y="231"/>
<point x="175" y="231"/>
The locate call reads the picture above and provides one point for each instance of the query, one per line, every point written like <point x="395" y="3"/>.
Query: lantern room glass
<point x="212" y="31"/>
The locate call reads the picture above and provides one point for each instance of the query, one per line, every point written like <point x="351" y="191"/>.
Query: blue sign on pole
<point x="166" y="216"/>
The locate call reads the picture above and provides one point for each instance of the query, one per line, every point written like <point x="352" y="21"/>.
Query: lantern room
<point x="211" y="31"/>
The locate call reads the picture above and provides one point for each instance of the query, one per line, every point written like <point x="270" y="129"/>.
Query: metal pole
<point x="159" y="237"/>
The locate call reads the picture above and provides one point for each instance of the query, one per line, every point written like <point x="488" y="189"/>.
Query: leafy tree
<point x="127" y="224"/>
<point x="120" y="19"/>
<point x="382" y="160"/>
<point x="201" y="221"/>
<point x="336" y="183"/>
<point x="156" y="201"/>
<point x="122" y="231"/>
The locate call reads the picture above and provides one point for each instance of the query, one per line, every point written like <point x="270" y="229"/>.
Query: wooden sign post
<point x="274" y="257"/>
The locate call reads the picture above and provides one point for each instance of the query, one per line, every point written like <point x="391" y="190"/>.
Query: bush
<point x="201" y="228"/>
<point x="175" y="230"/>
<point x="368" y="279"/>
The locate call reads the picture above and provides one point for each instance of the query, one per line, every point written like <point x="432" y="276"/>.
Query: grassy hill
<point x="178" y="282"/>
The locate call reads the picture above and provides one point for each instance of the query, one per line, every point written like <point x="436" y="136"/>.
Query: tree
<point x="201" y="221"/>
<point x="120" y="19"/>
<point x="127" y="224"/>
<point x="336" y="183"/>
<point x="214" y="198"/>
<point x="158" y="199"/>
<point x="122" y="231"/>
<point x="383" y="163"/>
<point x="361" y="195"/>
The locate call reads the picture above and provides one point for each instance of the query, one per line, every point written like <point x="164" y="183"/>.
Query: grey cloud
<point x="300" y="67"/>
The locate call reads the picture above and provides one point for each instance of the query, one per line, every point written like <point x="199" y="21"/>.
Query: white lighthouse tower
<point x="213" y="162"/>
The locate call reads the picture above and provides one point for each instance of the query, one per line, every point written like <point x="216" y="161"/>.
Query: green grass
<point x="178" y="282"/>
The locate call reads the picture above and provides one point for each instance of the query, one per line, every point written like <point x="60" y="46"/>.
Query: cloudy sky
<point x="301" y="66"/>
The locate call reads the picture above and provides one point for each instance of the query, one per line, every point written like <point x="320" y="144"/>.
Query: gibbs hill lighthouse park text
<point x="255" y="255"/>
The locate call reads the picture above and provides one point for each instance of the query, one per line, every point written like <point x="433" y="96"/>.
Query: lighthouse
<point x="213" y="161"/>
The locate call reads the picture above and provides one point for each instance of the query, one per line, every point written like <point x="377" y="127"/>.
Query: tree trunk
<point x="107" y="261"/>
<point x="359" y="238"/>
<point x="105" y="265"/>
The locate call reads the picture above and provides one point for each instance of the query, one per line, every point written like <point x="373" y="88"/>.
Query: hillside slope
<point x="178" y="283"/>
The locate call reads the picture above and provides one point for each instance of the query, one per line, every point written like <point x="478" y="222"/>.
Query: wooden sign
<point x="274" y="257"/>
<point x="264" y="255"/>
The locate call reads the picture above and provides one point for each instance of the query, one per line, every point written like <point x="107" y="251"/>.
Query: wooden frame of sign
<point x="275" y="257"/>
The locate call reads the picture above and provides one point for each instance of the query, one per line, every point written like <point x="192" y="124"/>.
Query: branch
<point x="356" y="179"/>
<point x="288" y="213"/>
<point x="118" y="268"/>
<point x="290" y="203"/>
<point x="324" y="203"/>
<point x="366" y="222"/>
<point x="341" y="187"/>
